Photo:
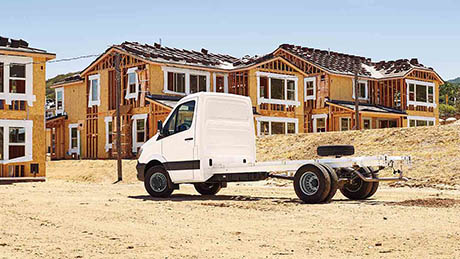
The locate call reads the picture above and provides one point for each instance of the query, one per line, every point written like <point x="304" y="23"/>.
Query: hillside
<point x="455" y="81"/>
<point x="51" y="81"/>
<point x="434" y="150"/>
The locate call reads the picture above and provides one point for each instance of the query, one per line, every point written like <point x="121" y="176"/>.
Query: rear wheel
<point x="334" y="182"/>
<point x="375" y="185"/>
<point x="312" y="183"/>
<point x="157" y="182"/>
<point x="356" y="188"/>
<point x="208" y="188"/>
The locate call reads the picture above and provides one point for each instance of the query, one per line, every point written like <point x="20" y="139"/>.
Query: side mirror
<point x="160" y="126"/>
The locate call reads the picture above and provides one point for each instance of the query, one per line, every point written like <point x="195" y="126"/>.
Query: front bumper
<point x="140" y="167"/>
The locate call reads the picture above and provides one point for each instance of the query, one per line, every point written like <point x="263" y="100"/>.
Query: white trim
<point x="309" y="79"/>
<point x="77" y="149"/>
<point x="366" y="92"/>
<point x="427" y="84"/>
<point x="420" y="118"/>
<point x="318" y="116"/>
<point x="107" y="144"/>
<point x="214" y="75"/>
<point x="61" y="89"/>
<point x="98" y="101"/>
<point x="134" y="119"/>
<point x="187" y="73"/>
<point x="28" y="125"/>
<point x="284" y="77"/>
<point x="136" y="92"/>
<point x="6" y="95"/>
<point x="276" y="119"/>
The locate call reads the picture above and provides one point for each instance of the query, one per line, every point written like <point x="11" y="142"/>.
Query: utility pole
<point x="357" y="121"/>
<point x="118" y="96"/>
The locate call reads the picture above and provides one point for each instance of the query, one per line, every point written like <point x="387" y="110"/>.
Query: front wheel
<point x="207" y="188"/>
<point x="157" y="182"/>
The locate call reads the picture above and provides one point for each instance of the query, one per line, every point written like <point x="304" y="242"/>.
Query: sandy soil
<point x="79" y="213"/>
<point x="60" y="219"/>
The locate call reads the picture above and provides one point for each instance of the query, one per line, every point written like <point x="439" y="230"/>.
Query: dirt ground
<point x="79" y="213"/>
<point x="60" y="219"/>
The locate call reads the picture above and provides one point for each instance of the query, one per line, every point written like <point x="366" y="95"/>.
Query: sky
<point x="381" y="30"/>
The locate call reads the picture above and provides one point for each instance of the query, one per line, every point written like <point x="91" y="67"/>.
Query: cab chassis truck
<point x="209" y="140"/>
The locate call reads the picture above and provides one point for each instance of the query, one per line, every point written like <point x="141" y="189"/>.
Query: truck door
<point x="178" y="142"/>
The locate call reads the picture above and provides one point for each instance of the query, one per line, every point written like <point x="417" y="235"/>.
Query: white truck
<point x="209" y="140"/>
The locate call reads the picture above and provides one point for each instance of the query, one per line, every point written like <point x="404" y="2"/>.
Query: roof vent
<point x="23" y="44"/>
<point x="204" y="51"/>
<point x="3" y="42"/>
<point x="14" y="43"/>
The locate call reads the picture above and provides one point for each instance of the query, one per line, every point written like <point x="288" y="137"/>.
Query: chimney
<point x="157" y="45"/>
<point x="204" y="51"/>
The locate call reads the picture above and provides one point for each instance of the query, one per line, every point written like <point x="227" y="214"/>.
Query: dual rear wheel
<point x="318" y="183"/>
<point x="315" y="183"/>
<point x="357" y="189"/>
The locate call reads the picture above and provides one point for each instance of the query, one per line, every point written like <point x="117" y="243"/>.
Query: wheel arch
<point x="152" y="163"/>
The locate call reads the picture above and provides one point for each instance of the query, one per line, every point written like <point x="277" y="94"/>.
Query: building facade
<point x="293" y="90"/>
<point x="22" y="109"/>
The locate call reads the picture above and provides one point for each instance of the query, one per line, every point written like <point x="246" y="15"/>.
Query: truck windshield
<point x="181" y="119"/>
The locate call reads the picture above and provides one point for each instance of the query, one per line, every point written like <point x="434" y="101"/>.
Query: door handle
<point x="188" y="139"/>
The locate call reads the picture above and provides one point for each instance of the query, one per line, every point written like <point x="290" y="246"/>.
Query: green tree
<point x="447" y="110"/>
<point x="452" y="90"/>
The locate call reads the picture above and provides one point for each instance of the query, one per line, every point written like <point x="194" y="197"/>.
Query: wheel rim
<point x="309" y="183"/>
<point x="158" y="182"/>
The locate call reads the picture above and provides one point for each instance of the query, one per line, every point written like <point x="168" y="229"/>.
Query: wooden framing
<point x="24" y="114"/>
<point x="241" y="80"/>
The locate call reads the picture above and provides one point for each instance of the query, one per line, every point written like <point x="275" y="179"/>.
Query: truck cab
<point x="204" y="131"/>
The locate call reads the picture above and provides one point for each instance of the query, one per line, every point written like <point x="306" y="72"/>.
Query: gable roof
<point x="340" y="63"/>
<point x="160" y="53"/>
<point x="68" y="80"/>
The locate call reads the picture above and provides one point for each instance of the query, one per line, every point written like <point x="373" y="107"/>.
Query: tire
<point x="208" y="188"/>
<point x="334" y="183"/>
<point x="157" y="182"/>
<point x="336" y="150"/>
<point x="312" y="183"/>
<point x="375" y="185"/>
<point x="359" y="189"/>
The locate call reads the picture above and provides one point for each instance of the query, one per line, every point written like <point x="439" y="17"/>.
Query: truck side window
<point x="180" y="120"/>
<point x="185" y="116"/>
